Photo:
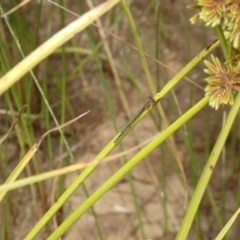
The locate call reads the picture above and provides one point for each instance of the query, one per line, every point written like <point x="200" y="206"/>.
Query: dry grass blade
<point x="72" y="168"/>
<point x="13" y="124"/>
<point x="24" y="2"/>
<point x="60" y="126"/>
<point x="32" y="151"/>
<point x="52" y="44"/>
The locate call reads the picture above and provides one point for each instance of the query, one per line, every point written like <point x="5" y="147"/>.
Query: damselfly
<point x="147" y="106"/>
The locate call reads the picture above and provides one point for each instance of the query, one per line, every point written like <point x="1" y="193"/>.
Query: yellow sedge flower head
<point x="233" y="15"/>
<point x="234" y="36"/>
<point x="221" y="83"/>
<point x="212" y="11"/>
<point x="220" y="12"/>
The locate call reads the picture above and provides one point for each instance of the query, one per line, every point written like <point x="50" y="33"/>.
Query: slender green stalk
<point x="63" y="73"/>
<point x="228" y="225"/>
<point x="125" y="169"/>
<point x="72" y="188"/>
<point x="186" y="69"/>
<point x="207" y="172"/>
<point x="139" y="45"/>
<point x="222" y="39"/>
<point x="214" y="208"/>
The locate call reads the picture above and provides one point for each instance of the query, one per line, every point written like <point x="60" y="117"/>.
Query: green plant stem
<point x="185" y="70"/>
<point x="207" y="172"/>
<point x="139" y="45"/>
<point x="219" y="32"/>
<point x="109" y="147"/>
<point x="125" y="169"/>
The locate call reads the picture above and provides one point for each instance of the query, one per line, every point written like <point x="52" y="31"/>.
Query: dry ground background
<point x="116" y="210"/>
